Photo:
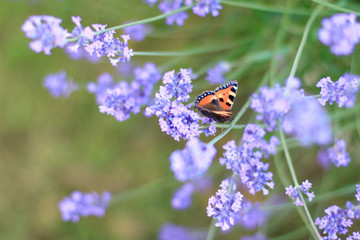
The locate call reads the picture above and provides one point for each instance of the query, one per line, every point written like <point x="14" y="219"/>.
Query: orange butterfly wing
<point x="226" y="94"/>
<point x="216" y="105"/>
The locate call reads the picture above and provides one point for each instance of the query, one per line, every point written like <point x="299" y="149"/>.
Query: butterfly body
<point x="217" y="104"/>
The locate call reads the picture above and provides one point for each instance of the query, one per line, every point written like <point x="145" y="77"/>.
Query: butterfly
<point x="217" y="104"/>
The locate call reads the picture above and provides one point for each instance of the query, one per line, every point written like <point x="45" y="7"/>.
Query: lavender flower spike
<point x="225" y="205"/>
<point x="341" y="33"/>
<point x="84" y="204"/>
<point x="343" y="91"/>
<point x="336" y="221"/>
<point x="357" y="195"/>
<point x="46" y="33"/>
<point x="193" y="161"/>
<point x="58" y="85"/>
<point x="294" y="192"/>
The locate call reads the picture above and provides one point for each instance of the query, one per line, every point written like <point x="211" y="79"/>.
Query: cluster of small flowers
<point x="190" y="165"/>
<point x="300" y="116"/>
<point x="201" y="8"/>
<point x="193" y="161"/>
<point x="225" y="205"/>
<point x="335" y="222"/>
<point x="170" y="231"/>
<point x="215" y="74"/>
<point x="343" y="91"/>
<point x="58" y="85"/>
<point x="341" y="33"/>
<point x="47" y="34"/>
<point x="174" y="118"/>
<point x="84" y="204"/>
<point x="338" y="220"/>
<point x="295" y="195"/>
<point x="246" y="160"/>
<point x="122" y="99"/>
<point x="338" y="155"/>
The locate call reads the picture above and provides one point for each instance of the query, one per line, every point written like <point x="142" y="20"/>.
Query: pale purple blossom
<point x="343" y="91"/>
<point x="83" y="205"/>
<point x="58" y="85"/>
<point x="193" y="161"/>
<point x="293" y="192"/>
<point x="341" y="33"/>
<point x="225" y="205"/>
<point x="46" y="33"/>
<point x="336" y="221"/>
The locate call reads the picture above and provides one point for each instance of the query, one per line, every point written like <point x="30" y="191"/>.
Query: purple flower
<point x="338" y="154"/>
<point x="84" y="35"/>
<point x="354" y="208"/>
<point x="170" y="231"/>
<point x="182" y="198"/>
<point x="178" y="85"/>
<point x="294" y="192"/>
<point x="355" y="236"/>
<point x="84" y="204"/>
<point x="225" y="205"/>
<point x="58" y="85"/>
<point x="104" y="82"/>
<point x="300" y="116"/>
<point x="138" y="32"/>
<point x="336" y="221"/>
<point x="215" y="74"/>
<point x="80" y="54"/>
<point x="343" y="91"/>
<point x="150" y="2"/>
<point x="46" y="33"/>
<point x="204" y="7"/>
<point x="169" y="6"/>
<point x="271" y="104"/>
<point x="174" y="118"/>
<point x="120" y="102"/>
<point x="308" y="122"/>
<point x="105" y="44"/>
<point x="357" y="192"/>
<point x="246" y="159"/>
<point x="341" y="33"/>
<point x="193" y="161"/>
<point x="180" y="122"/>
<point x="145" y="79"/>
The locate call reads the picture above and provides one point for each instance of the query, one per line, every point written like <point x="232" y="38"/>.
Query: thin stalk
<point x="265" y="8"/>
<point x="148" y="20"/>
<point x="293" y="175"/>
<point x="335" y="7"/>
<point x="304" y="39"/>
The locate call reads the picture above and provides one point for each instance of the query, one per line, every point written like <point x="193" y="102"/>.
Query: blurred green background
<point x="51" y="147"/>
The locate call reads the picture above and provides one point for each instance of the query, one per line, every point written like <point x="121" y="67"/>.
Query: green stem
<point x="148" y="20"/>
<point x="212" y="230"/>
<point x="265" y="8"/>
<point x="304" y="39"/>
<point x="296" y="183"/>
<point x="335" y="7"/>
